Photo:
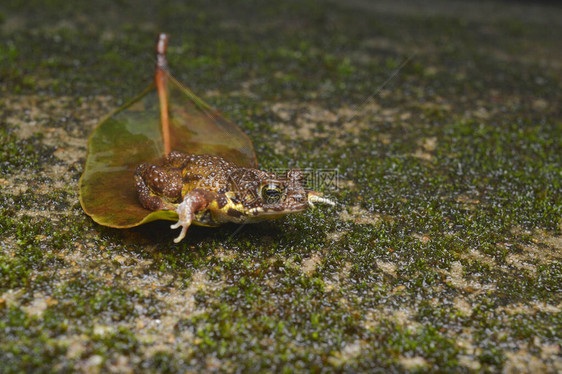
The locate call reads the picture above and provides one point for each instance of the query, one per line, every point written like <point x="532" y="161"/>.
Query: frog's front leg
<point x="196" y="200"/>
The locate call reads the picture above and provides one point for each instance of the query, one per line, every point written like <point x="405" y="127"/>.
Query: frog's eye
<point x="271" y="193"/>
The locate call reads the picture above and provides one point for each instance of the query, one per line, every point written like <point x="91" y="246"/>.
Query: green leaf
<point x="132" y="135"/>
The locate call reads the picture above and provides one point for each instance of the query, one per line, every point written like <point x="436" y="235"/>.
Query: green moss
<point x="26" y="345"/>
<point x="447" y="234"/>
<point x="17" y="154"/>
<point x="164" y="362"/>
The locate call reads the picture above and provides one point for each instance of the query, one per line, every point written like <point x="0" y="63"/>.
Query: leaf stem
<point x="160" y="78"/>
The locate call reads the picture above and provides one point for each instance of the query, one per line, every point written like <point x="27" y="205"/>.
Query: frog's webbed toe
<point x="193" y="201"/>
<point x="314" y="197"/>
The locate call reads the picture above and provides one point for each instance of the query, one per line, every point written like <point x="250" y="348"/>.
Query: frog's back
<point x="211" y="173"/>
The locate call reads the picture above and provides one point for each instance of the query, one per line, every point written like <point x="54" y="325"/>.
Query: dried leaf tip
<point x="161" y="46"/>
<point x="160" y="77"/>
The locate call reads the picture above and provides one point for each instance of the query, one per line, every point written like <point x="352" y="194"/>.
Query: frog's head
<point x="266" y="195"/>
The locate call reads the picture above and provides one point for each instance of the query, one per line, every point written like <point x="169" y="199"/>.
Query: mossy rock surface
<point x="443" y="254"/>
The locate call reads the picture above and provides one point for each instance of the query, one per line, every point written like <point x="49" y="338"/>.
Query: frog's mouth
<point x="276" y="211"/>
<point x="296" y="206"/>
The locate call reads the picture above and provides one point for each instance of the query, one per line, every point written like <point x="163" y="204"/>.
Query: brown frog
<point x="209" y="191"/>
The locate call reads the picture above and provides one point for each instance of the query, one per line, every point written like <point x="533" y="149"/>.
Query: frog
<point x="208" y="190"/>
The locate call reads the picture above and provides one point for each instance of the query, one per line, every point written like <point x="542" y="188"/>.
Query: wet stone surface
<point x="443" y="253"/>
